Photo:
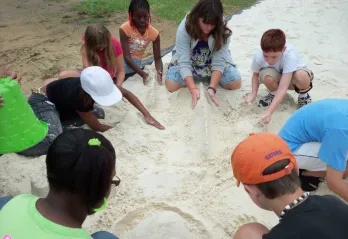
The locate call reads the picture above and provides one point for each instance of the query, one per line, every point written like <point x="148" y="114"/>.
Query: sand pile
<point x="183" y="173"/>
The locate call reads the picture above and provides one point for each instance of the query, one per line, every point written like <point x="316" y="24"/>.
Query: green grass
<point x="173" y="10"/>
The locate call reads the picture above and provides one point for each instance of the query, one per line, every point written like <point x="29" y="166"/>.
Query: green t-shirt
<point x="19" y="219"/>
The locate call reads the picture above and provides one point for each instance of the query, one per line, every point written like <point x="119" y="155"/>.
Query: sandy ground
<point x="43" y="37"/>
<point x="181" y="177"/>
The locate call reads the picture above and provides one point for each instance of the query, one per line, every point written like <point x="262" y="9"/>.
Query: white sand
<point x="186" y="168"/>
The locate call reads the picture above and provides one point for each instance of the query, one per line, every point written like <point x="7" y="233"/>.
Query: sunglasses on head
<point x="116" y="181"/>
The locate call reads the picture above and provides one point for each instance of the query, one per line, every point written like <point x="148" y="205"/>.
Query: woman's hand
<point x="195" y="97"/>
<point x="211" y="93"/>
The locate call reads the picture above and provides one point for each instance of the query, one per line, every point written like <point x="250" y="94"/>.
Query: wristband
<point x="212" y="89"/>
<point x="193" y="89"/>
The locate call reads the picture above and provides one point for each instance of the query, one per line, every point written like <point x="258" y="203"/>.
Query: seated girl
<point x="80" y="168"/>
<point x="201" y="52"/>
<point x="101" y="49"/>
<point x="135" y="35"/>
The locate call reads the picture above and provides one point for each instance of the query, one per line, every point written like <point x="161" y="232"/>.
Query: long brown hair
<point x="97" y="35"/>
<point x="212" y="13"/>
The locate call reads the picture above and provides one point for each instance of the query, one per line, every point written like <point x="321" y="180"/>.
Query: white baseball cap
<point x="98" y="84"/>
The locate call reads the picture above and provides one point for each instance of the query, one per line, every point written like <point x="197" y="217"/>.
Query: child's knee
<point x="251" y="230"/>
<point x="269" y="80"/>
<point x="302" y="77"/>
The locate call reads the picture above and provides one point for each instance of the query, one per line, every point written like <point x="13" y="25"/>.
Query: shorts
<point x="230" y="74"/>
<point x="277" y="75"/>
<point x="130" y="70"/>
<point x="307" y="157"/>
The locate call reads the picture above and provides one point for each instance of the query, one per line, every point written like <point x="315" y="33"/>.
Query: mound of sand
<point x="185" y="170"/>
<point x="160" y="225"/>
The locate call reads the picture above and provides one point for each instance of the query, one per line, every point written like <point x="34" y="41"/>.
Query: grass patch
<point x="173" y="10"/>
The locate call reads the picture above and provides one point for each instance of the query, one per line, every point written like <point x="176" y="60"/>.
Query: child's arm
<point x="254" y="88"/>
<point x="120" y="70"/>
<point x="158" y="58"/>
<point x="92" y="121"/>
<point x="127" y="55"/>
<point x="281" y="91"/>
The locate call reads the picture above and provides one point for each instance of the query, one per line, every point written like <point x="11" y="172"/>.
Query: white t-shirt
<point x="289" y="61"/>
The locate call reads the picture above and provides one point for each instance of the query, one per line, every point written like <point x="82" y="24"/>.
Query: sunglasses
<point x="116" y="181"/>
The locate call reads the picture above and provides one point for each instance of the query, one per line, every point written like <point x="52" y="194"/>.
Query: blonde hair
<point x="96" y="35"/>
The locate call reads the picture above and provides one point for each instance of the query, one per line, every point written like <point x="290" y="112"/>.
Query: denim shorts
<point x="231" y="73"/>
<point x="130" y="70"/>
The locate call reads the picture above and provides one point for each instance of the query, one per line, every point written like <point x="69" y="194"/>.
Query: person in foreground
<point x="135" y="35"/>
<point x="317" y="134"/>
<point x="278" y="66"/>
<point x="265" y="166"/>
<point x="6" y="71"/>
<point x="101" y="49"/>
<point x="71" y="102"/>
<point x="201" y="52"/>
<point x="80" y="171"/>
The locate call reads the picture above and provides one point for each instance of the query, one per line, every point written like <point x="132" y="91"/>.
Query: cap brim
<point x="107" y="100"/>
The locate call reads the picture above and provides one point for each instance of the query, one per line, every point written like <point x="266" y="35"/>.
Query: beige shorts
<point x="276" y="75"/>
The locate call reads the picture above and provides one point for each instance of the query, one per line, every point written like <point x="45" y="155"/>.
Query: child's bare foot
<point x="152" y="121"/>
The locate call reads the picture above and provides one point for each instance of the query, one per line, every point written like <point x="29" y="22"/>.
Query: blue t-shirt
<point x="324" y="121"/>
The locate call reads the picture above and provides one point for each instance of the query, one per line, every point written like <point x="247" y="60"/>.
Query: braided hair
<point x="138" y="4"/>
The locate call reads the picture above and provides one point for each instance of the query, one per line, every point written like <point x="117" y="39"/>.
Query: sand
<point x="185" y="171"/>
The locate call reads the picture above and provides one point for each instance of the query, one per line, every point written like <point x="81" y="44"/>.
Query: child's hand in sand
<point x="159" y="77"/>
<point x="249" y="99"/>
<point x="145" y="77"/>
<point x="266" y="118"/>
<point x="195" y="97"/>
<point x="212" y="96"/>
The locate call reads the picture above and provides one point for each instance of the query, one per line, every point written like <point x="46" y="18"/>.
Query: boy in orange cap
<point x="265" y="166"/>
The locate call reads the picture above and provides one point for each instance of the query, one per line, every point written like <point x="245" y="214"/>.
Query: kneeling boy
<point x="279" y="68"/>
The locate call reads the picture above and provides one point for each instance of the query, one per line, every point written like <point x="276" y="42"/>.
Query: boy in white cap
<point x="72" y="100"/>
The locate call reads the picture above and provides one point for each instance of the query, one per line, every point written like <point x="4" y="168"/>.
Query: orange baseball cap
<point x="256" y="153"/>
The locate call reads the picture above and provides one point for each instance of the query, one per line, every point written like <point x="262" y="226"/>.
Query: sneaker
<point x="304" y="101"/>
<point x="266" y="101"/>
<point x="309" y="183"/>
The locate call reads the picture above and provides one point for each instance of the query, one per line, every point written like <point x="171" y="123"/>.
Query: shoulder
<point x="21" y="199"/>
<point x="182" y="25"/>
<point x="153" y="33"/>
<point x="290" y="52"/>
<point x="126" y="27"/>
<point x="258" y="58"/>
<point x="115" y="42"/>
<point x="117" y="46"/>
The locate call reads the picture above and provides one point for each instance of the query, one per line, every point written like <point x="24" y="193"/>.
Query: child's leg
<point x="173" y="80"/>
<point x="137" y="104"/>
<point x="251" y="230"/>
<point x="270" y="78"/>
<point x="67" y="74"/>
<point x="130" y="70"/>
<point x="302" y="81"/>
<point x="231" y="79"/>
<point x="46" y="112"/>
